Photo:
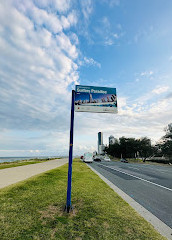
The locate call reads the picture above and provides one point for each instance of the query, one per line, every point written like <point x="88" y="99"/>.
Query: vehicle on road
<point x="81" y="157"/>
<point x="106" y="158"/>
<point x="97" y="158"/>
<point x="88" y="157"/>
<point x="124" y="160"/>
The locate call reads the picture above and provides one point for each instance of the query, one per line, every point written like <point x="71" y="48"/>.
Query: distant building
<point x="111" y="140"/>
<point x="101" y="146"/>
<point x="100" y="138"/>
<point x="101" y="149"/>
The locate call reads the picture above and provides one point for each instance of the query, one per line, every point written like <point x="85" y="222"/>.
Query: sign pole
<point x="69" y="184"/>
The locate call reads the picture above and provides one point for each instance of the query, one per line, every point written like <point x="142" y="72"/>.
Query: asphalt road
<point x="149" y="185"/>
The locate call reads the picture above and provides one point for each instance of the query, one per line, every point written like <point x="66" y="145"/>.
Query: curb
<point x="160" y="226"/>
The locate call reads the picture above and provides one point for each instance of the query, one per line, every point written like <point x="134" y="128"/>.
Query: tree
<point x="128" y="147"/>
<point x="145" y="148"/>
<point x="166" y="146"/>
<point x="114" y="149"/>
<point x="168" y="131"/>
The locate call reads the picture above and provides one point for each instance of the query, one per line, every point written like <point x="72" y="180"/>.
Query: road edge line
<point x="142" y="179"/>
<point x="160" y="226"/>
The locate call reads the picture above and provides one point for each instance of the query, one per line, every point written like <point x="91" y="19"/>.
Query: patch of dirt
<point x="51" y="212"/>
<point x="2" y="217"/>
<point x="129" y="230"/>
<point x="73" y="212"/>
<point x="106" y="225"/>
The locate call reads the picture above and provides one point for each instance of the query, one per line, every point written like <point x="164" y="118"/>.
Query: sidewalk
<point x="13" y="175"/>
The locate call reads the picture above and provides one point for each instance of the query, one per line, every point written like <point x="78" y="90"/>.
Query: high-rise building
<point x="111" y="140"/>
<point x="100" y="138"/>
<point x="101" y="147"/>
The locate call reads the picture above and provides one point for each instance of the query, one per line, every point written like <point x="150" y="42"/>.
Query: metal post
<point x="69" y="184"/>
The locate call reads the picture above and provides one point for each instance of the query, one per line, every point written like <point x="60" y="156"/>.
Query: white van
<point x="88" y="157"/>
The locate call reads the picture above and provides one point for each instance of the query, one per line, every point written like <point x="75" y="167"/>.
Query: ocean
<point x="13" y="159"/>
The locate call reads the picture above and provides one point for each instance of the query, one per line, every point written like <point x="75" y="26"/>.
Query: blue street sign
<point x="95" y="99"/>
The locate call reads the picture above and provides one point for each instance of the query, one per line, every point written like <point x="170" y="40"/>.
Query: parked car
<point x="81" y="157"/>
<point x="106" y="158"/>
<point x="88" y="157"/>
<point x="97" y="158"/>
<point x="124" y="160"/>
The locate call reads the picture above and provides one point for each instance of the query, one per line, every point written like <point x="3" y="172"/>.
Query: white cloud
<point x="70" y="20"/>
<point x="109" y="42"/>
<point x="91" y="62"/>
<point x="61" y="6"/>
<point x="36" y="68"/>
<point x="116" y="35"/>
<point x="87" y="8"/>
<point x="112" y="3"/>
<point x="65" y="44"/>
<point x="160" y="89"/>
<point x="74" y="38"/>
<point x="122" y="102"/>
<point x="43" y="18"/>
<point x="109" y="36"/>
<point x="147" y="73"/>
<point x="105" y="22"/>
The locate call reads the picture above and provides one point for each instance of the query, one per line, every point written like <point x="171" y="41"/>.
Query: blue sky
<point x="47" y="47"/>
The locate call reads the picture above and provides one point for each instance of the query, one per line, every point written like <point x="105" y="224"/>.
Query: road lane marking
<point x="155" y="170"/>
<point x="148" y="167"/>
<point x="137" y="177"/>
<point x="134" y="168"/>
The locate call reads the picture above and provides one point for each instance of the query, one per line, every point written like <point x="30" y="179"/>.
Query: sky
<point x="49" y="46"/>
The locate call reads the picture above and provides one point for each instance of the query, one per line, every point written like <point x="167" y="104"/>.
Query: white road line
<point x="137" y="177"/>
<point x="134" y="168"/>
<point x="163" y="171"/>
<point x="156" y="169"/>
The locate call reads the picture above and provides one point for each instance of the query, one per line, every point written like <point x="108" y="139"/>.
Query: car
<point x="106" y="158"/>
<point x="97" y="158"/>
<point x="124" y="160"/>
<point x="81" y="157"/>
<point x="88" y="157"/>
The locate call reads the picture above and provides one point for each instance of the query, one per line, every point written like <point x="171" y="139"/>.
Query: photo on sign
<point x="96" y="101"/>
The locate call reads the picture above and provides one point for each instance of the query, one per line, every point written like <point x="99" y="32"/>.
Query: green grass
<point x="33" y="209"/>
<point x="22" y="163"/>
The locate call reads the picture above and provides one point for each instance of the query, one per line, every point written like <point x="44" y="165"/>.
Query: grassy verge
<point x="22" y="163"/>
<point x="33" y="209"/>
